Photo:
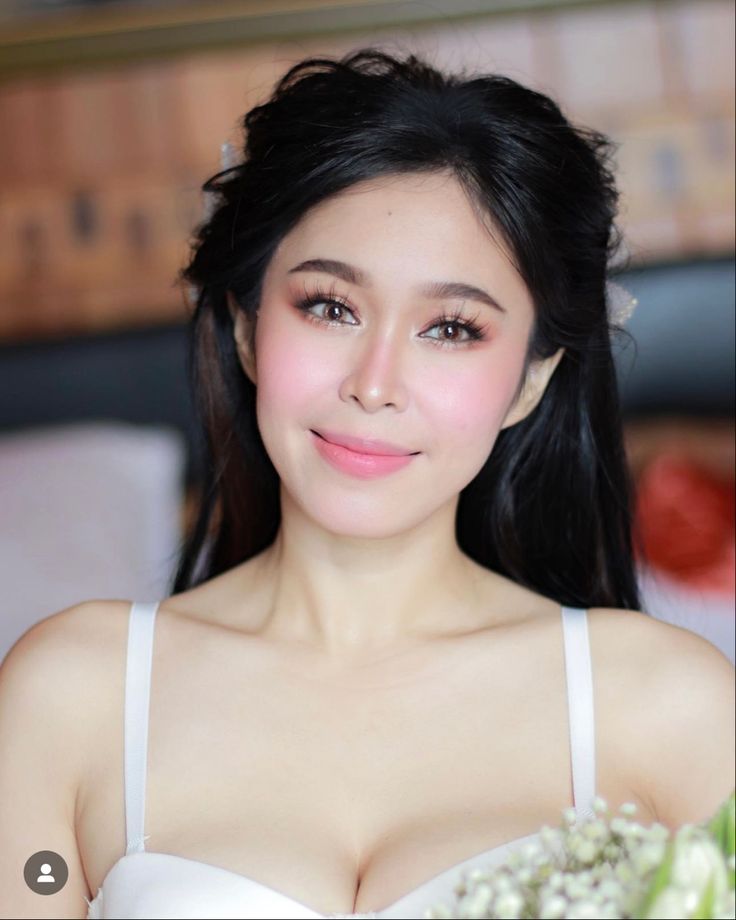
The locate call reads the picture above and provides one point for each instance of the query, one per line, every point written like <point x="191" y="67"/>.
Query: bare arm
<point x="689" y="740"/>
<point x="42" y="749"/>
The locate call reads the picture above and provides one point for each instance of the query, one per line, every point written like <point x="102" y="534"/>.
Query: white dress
<point x="148" y="885"/>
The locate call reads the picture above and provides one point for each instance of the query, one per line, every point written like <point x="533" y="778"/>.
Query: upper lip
<point x="364" y="445"/>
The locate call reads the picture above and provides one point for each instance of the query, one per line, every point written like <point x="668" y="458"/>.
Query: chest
<point x="341" y="792"/>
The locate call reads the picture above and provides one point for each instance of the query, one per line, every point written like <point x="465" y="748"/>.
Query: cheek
<point x="469" y="402"/>
<point x="290" y="373"/>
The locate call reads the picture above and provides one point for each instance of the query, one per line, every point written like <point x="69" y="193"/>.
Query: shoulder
<point x="660" y="653"/>
<point x="676" y="692"/>
<point x="57" y="642"/>
<point x="54" y="682"/>
<point x="59" y="672"/>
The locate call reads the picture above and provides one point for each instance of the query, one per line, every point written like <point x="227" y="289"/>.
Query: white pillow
<point x="87" y="511"/>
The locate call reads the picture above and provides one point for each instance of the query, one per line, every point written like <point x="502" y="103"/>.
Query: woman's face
<point x="382" y="361"/>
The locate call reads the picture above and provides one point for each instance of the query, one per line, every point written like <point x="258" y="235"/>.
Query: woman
<point x="404" y="633"/>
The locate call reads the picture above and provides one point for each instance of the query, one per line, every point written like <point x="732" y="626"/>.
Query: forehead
<point x="407" y="227"/>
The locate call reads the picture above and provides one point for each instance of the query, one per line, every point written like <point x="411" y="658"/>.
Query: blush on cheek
<point x="291" y="374"/>
<point x="475" y="400"/>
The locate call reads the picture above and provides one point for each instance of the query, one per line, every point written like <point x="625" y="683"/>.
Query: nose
<point x="375" y="376"/>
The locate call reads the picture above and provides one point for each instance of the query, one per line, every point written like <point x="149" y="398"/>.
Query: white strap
<point x="137" y="693"/>
<point x="580" y="703"/>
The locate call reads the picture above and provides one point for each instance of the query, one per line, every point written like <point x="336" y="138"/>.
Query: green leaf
<point x="723" y="826"/>
<point x="661" y="880"/>
<point x="706" y="905"/>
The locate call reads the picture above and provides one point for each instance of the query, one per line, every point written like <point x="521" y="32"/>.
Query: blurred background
<point x="112" y="115"/>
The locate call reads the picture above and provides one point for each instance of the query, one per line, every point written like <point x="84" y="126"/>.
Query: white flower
<point x="553" y="907"/>
<point x="647" y="857"/>
<point x="658" y="831"/>
<point x="570" y="816"/>
<point x="672" y="904"/>
<point x="603" y="870"/>
<point x="438" y="912"/>
<point x="475" y="904"/>
<point x="502" y="883"/>
<point x="727" y="909"/>
<point x="697" y="860"/>
<point x="584" y="910"/>
<point x="531" y="849"/>
<point x="556" y="880"/>
<point x="575" y="888"/>
<point x="508" y="905"/>
<point x="476" y="875"/>
<point x="619" y="825"/>
<point x="594" y="830"/>
<point x="625" y="873"/>
<point x="586" y="851"/>
<point x="611" y="889"/>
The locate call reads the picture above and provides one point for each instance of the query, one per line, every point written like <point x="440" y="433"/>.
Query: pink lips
<point x="363" y="445"/>
<point x="360" y="462"/>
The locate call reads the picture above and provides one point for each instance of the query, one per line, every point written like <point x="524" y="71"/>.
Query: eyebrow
<point x="437" y="290"/>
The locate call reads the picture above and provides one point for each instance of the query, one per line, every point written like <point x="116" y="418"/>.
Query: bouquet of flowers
<point x="608" y="868"/>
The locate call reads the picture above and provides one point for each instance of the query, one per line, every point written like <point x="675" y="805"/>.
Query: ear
<point x="244" y="335"/>
<point x="537" y="378"/>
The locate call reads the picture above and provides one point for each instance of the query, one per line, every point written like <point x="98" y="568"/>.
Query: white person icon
<point x="45" y="876"/>
<point x="45" y="872"/>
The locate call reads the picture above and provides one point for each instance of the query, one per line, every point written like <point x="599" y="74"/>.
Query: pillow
<point x="89" y="511"/>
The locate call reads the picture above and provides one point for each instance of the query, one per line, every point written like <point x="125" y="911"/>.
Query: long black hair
<point x="552" y="506"/>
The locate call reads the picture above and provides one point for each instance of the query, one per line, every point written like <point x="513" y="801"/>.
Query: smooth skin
<point x="360" y="706"/>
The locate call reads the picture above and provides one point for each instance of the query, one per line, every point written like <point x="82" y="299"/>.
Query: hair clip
<point x="619" y="302"/>
<point x="228" y="155"/>
<point x="228" y="159"/>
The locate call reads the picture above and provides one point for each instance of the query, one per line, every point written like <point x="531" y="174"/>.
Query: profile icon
<point x="45" y="876"/>
<point x="45" y="872"/>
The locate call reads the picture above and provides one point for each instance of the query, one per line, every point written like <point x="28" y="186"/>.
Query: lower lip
<point x="364" y="466"/>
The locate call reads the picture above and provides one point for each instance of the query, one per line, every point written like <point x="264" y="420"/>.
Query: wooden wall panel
<point x="100" y="171"/>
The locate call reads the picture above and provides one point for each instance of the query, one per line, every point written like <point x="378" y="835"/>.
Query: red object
<point x="686" y="520"/>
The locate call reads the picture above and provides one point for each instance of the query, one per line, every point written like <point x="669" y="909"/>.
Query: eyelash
<point x="475" y="331"/>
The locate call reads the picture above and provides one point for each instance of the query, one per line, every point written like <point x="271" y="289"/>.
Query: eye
<point x="334" y="310"/>
<point x="335" y="304"/>
<point x="470" y="327"/>
<point x="464" y="330"/>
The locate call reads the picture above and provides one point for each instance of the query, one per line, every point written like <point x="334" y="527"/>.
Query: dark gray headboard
<point x="685" y="335"/>
<point x="683" y="362"/>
